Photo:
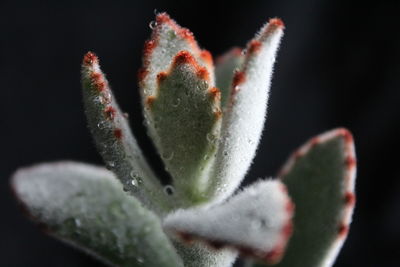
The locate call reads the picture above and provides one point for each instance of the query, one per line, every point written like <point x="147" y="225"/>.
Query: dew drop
<point x="140" y="260"/>
<point x="244" y="52"/>
<point x="101" y="125"/>
<point x="78" y="222"/>
<point x="176" y="102"/>
<point x="111" y="163"/>
<point x="152" y="24"/>
<point x="221" y="188"/>
<point x="136" y="180"/>
<point x="167" y="156"/>
<point x="169" y="190"/>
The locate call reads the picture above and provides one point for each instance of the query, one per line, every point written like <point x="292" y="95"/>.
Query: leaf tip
<point x="90" y="58"/>
<point x="277" y="22"/>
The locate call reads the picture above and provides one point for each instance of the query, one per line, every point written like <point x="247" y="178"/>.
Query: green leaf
<point x="185" y="116"/>
<point x="244" y="118"/>
<point x="198" y="254"/>
<point x="256" y="222"/>
<point x="320" y="177"/>
<point x="225" y="68"/>
<point x="86" y="207"/>
<point x="114" y="139"/>
<point x="167" y="39"/>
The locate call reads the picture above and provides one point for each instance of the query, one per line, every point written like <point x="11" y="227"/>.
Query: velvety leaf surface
<point x="185" y="117"/>
<point x="198" y="254"/>
<point x="320" y="177"/>
<point x="256" y="222"/>
<point x="244" y="118"/>
<point x="86" y="207"/>
<point x="114" y="139"/>
<point x="167" y="39"/>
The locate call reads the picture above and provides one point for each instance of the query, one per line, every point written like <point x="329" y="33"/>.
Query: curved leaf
<point x="86" y="207"/>
<point x="185" y="118"/>
<point x="243" y="121"/>
<point x="320" y="177"/>
<point x="114" y="139"/>
<point x="255" y="222"/>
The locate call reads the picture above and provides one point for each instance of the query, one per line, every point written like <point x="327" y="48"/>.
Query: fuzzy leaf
<point x="167" y="39"/>
<point x="181" y="106"/>
<point x="225" y="68"/>
<point x="86" y="207"/>
<point x="185" y="118"/>
<point x="198" y="254"/>
<point x="114" y="139"/>
<point x="243" y="122"/>
<point x="320" y="177"/>
<point x="256" y="222"/>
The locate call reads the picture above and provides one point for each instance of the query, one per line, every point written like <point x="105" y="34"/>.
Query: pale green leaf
<point x="320" y="177"/>
<point x="256" y="222"/>
<point x="244" y="118"/>
<point x="185" y="117"/>
<point x="114" y="139"/>
<point x="86" y="207"/>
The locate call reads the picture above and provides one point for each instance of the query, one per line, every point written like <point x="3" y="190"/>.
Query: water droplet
<point x="126" y="115"/>
<point x="78" y="222"/>
<point x="167" y="156"/>
<point x="169" y="190"/>
<point x="221" y="188"/>
<point x="152" y="24"/>
<point x="101" y="125"/>
<point x="176" y="102"/>
<point x="244" y="52"/>
<point x="111" y="163"/>
<point x="136" y="180"/>
<point x="140" y="260"/>
<point x="206" y="157"/>
<point x="99" y="99"/>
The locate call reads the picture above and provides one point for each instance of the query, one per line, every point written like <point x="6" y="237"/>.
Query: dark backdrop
<point x="338" y="66"/>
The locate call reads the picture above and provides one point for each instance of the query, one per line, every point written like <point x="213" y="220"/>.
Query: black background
<point x="338" y="66"/>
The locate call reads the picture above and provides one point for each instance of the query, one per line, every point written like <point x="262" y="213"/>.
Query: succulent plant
<point x="206" y="124"/>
